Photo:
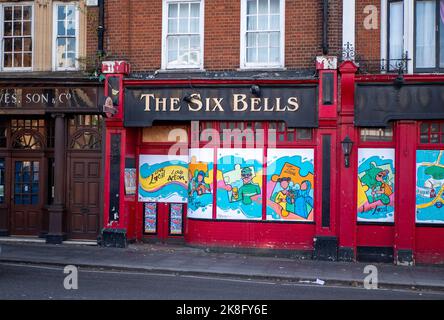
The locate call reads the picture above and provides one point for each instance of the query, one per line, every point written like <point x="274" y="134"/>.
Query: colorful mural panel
<point x="429" y="186"/>
<point x="239" y="183"/>
<point x="290" y="184"/>
<point x="163" y="178"/>
<point x="376" y="185"/>
<point x="200" y="186"/>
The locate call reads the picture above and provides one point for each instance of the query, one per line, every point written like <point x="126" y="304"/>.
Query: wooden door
<point x="26" y="202"/>
<point x="84" y="197"/>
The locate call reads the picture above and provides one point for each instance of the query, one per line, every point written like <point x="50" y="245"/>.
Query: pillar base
<point x="404" y="257"/>
<point x="346" y="254"/>
<point x="325" y="248"/>
<point x="55" y="238"/>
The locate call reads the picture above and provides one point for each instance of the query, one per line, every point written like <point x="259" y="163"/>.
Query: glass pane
<point x="27" y="60"/>
<point x="27" y="13"/>
<point x="17" y="60"/>
<point x="27" y="28"/>
<point x="251" y="23"/>
<point x="262" y="23"/>
<point x="71" y="44"/>
<point x="274" y="6"/>
<point x="425" y="34"/>
<point x="251" y="39"/>
<point x="274" y="55"/>
<point x="8" y="29"/>
<point x="183" y="43"/>
<point x="252" y="7"/>
<point x="262" y="40"/>
<point x="61" y="13"/>
<point x="195" y="43"/>
<point x="7" y="60"/>
<point x="71" y="28"/>
<point x="27" y="44"/>
<point x="183" y="25"/>
<point x="172" y="43"/>
<point x="262" y="55"/>
<point x="194" y="26"/>
<point x="61" y="30"/>
<point x="396" y="30"/>
<point x="172" y="25"/>
<point x="8" y="13"/>
<point x="274" y="22"/>
<point x="70" y="60"/>
<point x="184" y="11"/>
<point x="263" y="6"/>
<point x="172" y="10"/>
<point x="274" y="39"/>
<point x="195" y="8"/>
<point x="17" y="12"/>
<point x="251" y="55"/>
<point x="18" y="44"/>
<point x="172" y="55"/>
<point x="434" y="127"/>
<point x="17" y="29"/>
<point x="70" y="13"/>
<point x="8" y="45"/>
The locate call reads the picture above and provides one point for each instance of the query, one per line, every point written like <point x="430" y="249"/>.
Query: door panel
<point x="84" y="198"/>
<point x="26" y="201"/>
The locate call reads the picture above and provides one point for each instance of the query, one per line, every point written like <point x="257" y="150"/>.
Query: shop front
<point x="224" y="163"/>
<point x="50" y="159"/>
<point x="396" y="212"/>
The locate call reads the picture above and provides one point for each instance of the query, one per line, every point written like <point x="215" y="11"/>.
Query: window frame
<point x="15" y="69"/>
<point x="55" y="6"/>
<point x="388" y="31"/>
<point x="243" y="41"/>
<point x="437" y="68"/>
<point x="164" y="55"/>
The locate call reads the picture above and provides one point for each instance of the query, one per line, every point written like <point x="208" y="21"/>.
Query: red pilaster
<point x="347" y="183"/>
<point x="404" y="245"/>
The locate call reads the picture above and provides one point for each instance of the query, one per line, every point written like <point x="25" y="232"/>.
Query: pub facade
<point x="50" y="122"/>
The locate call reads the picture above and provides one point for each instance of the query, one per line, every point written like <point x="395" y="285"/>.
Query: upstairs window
<point x="182" y="34"/>
<point x="262" y="38"/>
<point x="429" y="35"/>
<point x="17" y="36"/>
<point x="66" y="28"/>
<point x="395" y="31"/>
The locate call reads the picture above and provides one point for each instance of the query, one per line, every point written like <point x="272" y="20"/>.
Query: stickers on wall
<point x="200" y="186"/>
<point x="176" y="218"/>
<point x="290" y="184"/>
<point x="239" y="183"/>
<point x="376" y="185"/>
<point x="163" y="178"/>
<point x="429" y="186"/>
<point x="150" y="217"/>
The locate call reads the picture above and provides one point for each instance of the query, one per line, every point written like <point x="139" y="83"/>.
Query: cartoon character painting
<point x="200" y="186"/>
<point x="429" y="186"/>
<point x="239" y="184"/>
<point x="376" y="185"/>
<point x="290" y="178"/>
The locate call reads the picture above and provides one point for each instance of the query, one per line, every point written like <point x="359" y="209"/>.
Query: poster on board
<point x="376" y="185"/>
<point x="163" y="178"/>
<point x="150" y="217"/>
<point x="290" y="184"/>
<point x="239" y="184"/>
<point x="200" y="183"/>
<point x="176" y="218"/>
<point x="429" y="186"/>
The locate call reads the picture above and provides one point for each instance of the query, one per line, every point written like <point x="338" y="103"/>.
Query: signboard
<point x="63" y="99"/>
<point x="377" y="104"/>
<point x="296" y="105"/>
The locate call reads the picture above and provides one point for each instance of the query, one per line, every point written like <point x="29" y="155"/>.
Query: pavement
<point x="184" y="260"/>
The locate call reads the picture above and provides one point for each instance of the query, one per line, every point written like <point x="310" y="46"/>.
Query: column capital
<point x="57" y="115"/>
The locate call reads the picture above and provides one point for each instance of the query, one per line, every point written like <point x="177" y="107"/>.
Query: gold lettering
<point x="218" y="104"/>
<point x="147" y="100"/>
<point x="239" y="98"/>
<point x="161" y="103"/>
<point x="195" y="100"/>
<point x="266" y="109"/>
<point x="293" y="104"/>
<point x="255" y="104"/>
<point x="278" y="105"/>
<point x="174" y="104"/>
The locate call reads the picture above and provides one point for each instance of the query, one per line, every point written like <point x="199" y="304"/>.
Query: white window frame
<point x="56" y="4"/>
<point x="164" y="62"/>
<point x="243" y="40"/>
<point x="14" y="69"/>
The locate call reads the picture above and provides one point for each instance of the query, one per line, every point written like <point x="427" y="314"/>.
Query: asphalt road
<point x="42" y="282"/>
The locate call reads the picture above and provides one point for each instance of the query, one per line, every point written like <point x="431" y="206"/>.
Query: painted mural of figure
<point x="248" y="189"/>
<point x="375" y="178"/>
<point x="284" y="196"/>
<point x="198" y="185"/>
<point x="303" y="200"/>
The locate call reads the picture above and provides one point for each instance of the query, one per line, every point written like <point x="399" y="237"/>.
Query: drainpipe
<point x="325" y="27"/>
<point x="101" y="28"/>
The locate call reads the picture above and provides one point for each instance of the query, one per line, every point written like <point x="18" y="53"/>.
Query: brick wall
<point x="134" y="32"/>
<point x="368" y="44"/>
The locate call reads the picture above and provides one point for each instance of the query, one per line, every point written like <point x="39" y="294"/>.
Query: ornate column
<point x="57" y="209"/>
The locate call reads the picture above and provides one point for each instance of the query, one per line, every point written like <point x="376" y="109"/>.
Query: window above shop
<point x="183" y="34"/>
<point x="431" y="132"/>
<point x="66" y="34"/>
<point x="376" y="134"/>
<point x="17" y="36"/>
<point x="262" y="33"/>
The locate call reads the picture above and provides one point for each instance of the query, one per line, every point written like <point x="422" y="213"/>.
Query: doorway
<point x="164" y="222"/>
